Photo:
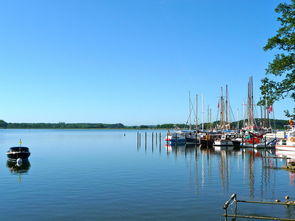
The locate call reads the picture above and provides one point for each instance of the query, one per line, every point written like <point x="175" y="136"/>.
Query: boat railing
<point x="233" y="200"/>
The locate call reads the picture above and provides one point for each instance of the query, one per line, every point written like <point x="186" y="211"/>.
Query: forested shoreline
<point x="275" y="124"/>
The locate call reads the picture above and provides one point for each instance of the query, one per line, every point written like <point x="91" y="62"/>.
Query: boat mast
<point x="222" y="110"/>
<point x="250" y="103"/>
<point x="226" y="105"/>
<point x="202" y="111"/>
<point x="238" y="121"/>
<point x="210" y="117"/>
<point x="197" y="126"/>
<point x="190" y="111"/>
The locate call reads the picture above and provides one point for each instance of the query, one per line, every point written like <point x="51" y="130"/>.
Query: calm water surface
<point x="104" y="175"/>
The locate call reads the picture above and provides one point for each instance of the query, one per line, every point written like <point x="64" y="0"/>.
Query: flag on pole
<point x="270" y="109"/>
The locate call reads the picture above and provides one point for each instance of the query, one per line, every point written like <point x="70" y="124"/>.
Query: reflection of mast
<point x="197" y="170"/>
<point x="251" y="174"/>
<point x="223" y="169"/>
<point x="203" y="172"/>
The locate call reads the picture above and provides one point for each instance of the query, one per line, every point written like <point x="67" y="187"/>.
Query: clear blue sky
<point x="129" y="61"/>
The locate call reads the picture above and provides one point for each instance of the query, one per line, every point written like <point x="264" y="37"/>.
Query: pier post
<point x="145" y="138"/>
<point x="253" y="141"/>
<point x="152" y="141"/>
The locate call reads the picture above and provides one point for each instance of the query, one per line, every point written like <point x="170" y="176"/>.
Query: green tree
<point x="283" y="65"/>
<point x="3" y="124"/>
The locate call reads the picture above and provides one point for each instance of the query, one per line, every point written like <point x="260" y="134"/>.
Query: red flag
<point x="270" y="109"/>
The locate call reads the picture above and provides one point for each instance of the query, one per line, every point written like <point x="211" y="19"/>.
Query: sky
<point x="130" y="61"/>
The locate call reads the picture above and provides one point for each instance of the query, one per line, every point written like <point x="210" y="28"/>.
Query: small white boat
<point x="223" y="141"/>
<point x="288" y="143"/>
<point x="268" y="144"/>
<point x="175" y="137"/>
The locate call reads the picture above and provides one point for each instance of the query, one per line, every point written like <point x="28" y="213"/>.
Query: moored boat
<point x="192" y="137"/>
<point x="266" y="143"/>
<point x="18" y="152"/>
<point x="175" y="137"/>
<point x="287" y="143"/>
<point x="223" y="141"/>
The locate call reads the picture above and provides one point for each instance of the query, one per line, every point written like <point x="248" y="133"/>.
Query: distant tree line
<point x="60" y="125"/>
<point x="275" y="124"/>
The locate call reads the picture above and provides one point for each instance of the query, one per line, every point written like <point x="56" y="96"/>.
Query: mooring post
<point x="253" y="141"/>
<point x="145" y="137"/>
<point x="137" y="140"/>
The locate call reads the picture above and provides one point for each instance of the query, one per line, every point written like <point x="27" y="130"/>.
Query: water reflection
<point x="17" y="168"/>
<point x="251" y="168"/>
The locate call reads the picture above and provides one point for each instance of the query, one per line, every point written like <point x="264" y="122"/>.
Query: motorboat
<point x="192" y="137"/>
<point x="266" y="144"/>
<point x="223" y="141"/>
<point x="15" y="153"/>
<point x="175" y="137"/>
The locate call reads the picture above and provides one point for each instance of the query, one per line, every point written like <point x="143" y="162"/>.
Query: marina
<point x="147" y="110"/>
<point x="135" y="175"/>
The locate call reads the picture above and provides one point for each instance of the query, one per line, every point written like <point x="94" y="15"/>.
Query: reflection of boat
<point x="223" y="147"/>
<point x="288" y="143"/>
<point x="18" y="152"/>
<point x="285" y="154"/>
<point x="18" y="168"/>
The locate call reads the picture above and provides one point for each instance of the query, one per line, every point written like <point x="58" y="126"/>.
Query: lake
<point x="108" y="175"/>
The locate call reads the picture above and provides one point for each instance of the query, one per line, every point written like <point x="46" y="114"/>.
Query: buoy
<point x="19" y="162"/>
